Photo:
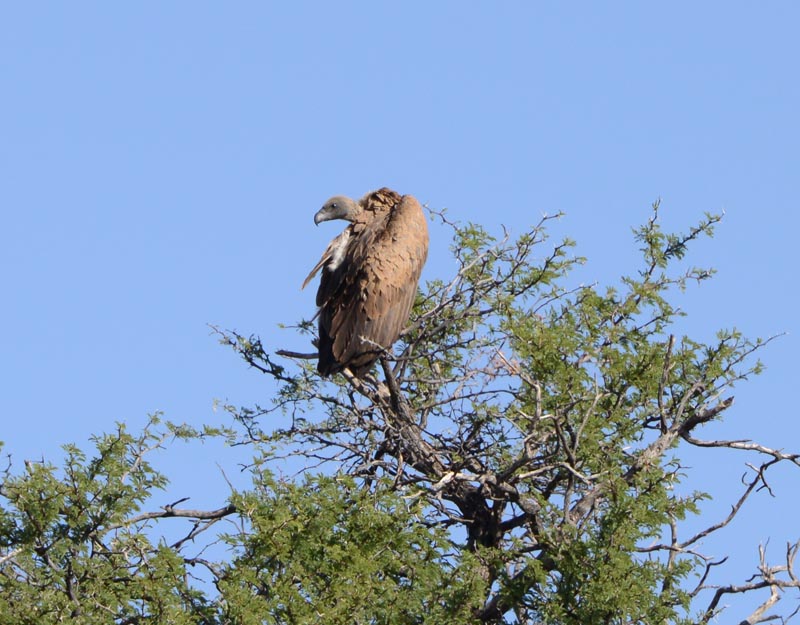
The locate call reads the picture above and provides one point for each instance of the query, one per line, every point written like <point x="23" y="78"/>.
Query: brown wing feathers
<point x="366" y="297"/>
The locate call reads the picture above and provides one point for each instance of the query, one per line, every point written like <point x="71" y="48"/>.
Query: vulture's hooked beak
<point x="329" y="212"/>
<point x="338" y="207"/>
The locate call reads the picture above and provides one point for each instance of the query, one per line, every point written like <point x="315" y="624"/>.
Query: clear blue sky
<point x="160" y="165"/>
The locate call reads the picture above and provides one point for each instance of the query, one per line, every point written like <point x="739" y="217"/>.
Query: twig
<point x="290" y="354"/>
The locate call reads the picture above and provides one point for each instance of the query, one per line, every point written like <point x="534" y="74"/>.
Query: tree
<point x="517" y="460"/>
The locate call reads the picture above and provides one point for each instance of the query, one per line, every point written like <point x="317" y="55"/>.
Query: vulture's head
<point x="338" y="207"/>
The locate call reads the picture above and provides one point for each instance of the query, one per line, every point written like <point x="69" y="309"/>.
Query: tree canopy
<point x="516" y="459"/>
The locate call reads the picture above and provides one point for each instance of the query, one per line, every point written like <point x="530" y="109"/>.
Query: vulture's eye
<point x="333" y="206"/>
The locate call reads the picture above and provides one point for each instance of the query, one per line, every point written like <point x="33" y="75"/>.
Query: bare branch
<point x="170" y="512"/>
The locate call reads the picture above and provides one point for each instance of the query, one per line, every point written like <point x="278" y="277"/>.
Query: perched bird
<point x="369" y="277"/>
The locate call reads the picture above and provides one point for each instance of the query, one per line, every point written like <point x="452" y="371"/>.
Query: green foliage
<point x="75" y="550"/>
<point x="329" y="550"/>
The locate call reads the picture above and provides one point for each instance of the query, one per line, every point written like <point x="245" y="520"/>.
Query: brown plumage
<point x="369" y="277"/>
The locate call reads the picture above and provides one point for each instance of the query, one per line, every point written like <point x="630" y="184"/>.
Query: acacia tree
<point x="516" y="460"/>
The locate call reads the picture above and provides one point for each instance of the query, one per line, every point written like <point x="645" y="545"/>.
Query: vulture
<point x="369" y="278"/>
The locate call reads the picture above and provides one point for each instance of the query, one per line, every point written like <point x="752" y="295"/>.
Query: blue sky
<point x="160" y="166"/>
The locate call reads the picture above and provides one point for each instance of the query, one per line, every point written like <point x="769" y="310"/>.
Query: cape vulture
<point x="369" y="277"/>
